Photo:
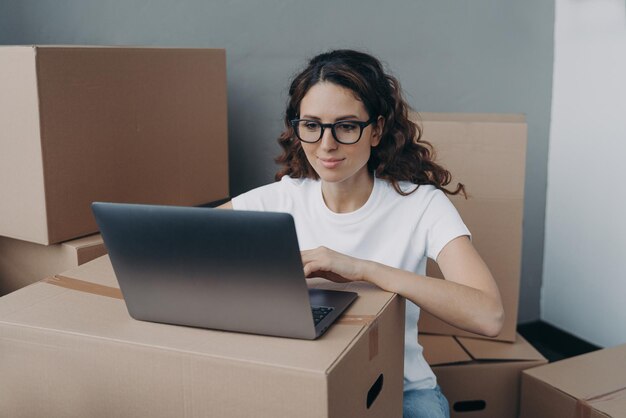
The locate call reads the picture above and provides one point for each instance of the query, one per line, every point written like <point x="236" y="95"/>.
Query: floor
<point x="555" y="344"/>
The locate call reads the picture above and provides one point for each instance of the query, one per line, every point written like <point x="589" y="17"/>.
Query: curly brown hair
<point x="401" y="155"/>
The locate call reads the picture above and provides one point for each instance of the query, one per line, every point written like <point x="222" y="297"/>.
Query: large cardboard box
<point x="81" y="124"/>
<point x="70" y="349"/>
<point x="589" y="386"/>
<point x="480" y="378"/>
<point x="23" y="262"/>
<point x="487" y="153"/>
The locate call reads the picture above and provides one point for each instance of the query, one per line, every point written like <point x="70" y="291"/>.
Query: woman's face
<point x="334" y="162"/>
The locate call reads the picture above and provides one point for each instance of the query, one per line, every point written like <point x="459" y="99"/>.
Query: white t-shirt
<point x="395" y="230"/>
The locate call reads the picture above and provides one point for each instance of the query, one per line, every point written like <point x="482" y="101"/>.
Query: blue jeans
<point x="425" y="403"/>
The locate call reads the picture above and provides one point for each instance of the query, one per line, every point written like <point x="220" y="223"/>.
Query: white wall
<point x="584" y="274"/>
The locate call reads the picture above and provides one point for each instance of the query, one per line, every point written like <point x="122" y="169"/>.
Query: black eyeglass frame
<point x="362" y="125"/>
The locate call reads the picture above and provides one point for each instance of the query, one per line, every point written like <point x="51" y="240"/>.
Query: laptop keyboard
<point x="320" y="312"/>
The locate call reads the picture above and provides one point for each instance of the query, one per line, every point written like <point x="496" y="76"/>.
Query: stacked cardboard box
<point x="592" y="385"/>
<point x="486" y="153"/>
<point x="480" y="378"/>
<point x="70" y="349"/>
<point x="84" y="124"/>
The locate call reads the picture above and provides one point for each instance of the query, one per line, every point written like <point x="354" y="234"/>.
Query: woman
<point x="370" y="204"/>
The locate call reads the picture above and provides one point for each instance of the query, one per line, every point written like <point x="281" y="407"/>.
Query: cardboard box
<point x="70" y="349"/>
<point x="589" y="386"/>
<point x="23" y="263"/>
<point x="84" y="124"/>
<point x="486" y="153"/>
<point x="480" y="378"/>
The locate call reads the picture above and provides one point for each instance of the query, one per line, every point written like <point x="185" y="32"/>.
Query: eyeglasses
<point x="344" y="131"/>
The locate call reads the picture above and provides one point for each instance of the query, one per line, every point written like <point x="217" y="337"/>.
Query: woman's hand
<point x="331" y="265"/>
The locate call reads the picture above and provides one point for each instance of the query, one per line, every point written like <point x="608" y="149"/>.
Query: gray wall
<point x="450" y="55"/>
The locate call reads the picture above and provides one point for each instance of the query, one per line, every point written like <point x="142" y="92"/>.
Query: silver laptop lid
<point x="210" y="268"/>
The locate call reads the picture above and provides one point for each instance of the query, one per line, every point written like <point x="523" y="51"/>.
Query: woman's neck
<point x="348" y="195"/>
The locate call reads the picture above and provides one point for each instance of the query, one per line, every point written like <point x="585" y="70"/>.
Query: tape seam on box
<point x="84" y="286"/>
<point x="585" y="406"/>
<point x="347" y="319"/>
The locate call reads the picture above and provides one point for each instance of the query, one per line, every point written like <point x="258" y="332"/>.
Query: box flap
<point x="86" y="248"/>
<point x="481" y="349"/>
<point x="84" y="242"/>
<point x="599" y="378"/>
<point x="442" y="349"/>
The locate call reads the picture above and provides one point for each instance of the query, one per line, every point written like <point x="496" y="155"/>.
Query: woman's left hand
<point x="331" y="265"/>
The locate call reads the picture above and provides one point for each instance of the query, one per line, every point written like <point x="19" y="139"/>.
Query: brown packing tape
<point x="373" y="340"/>
<point x="368" y="320"/>
<point x="113" y="292"/>
<point x="583" y="409"/>
<point x="347" y="319"/>
<point x="83" y="286"/>
<point x="585" y="406"/>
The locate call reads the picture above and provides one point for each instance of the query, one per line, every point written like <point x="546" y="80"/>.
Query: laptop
<point x="215" y="268"/>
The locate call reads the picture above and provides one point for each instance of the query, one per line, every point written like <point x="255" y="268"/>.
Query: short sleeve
<point x="443" y="224"/>
<point x="251" y="200"/>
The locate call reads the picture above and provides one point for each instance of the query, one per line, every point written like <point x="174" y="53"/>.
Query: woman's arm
<point x="468" y="298"/>
<point x="227" y="205"/>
